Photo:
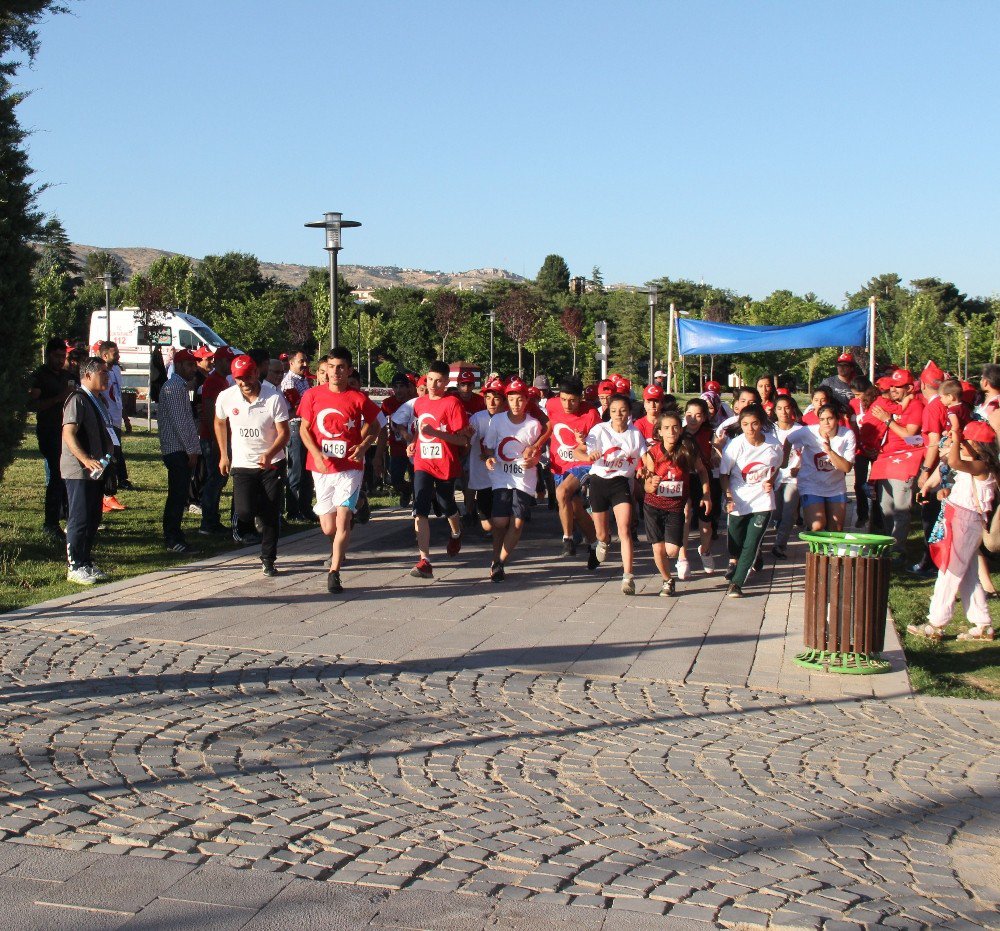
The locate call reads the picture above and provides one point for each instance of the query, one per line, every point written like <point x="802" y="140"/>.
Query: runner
<point x="441" y="435"/>
<point x="787" y="418"/>
<point x="255" y="416"/>
<point x="668" y="464"/>
<point x="393" y="439"/>
<point x="570" y="418"/>
<point x="697" y="424"/>
<point x="480" y="479"/>
<point x="614" y="450"/>
<point x="510" y="439"/>
<point x="749" y="464"/>
<point x="826" y="453"/>
<point x="336" y="443"/>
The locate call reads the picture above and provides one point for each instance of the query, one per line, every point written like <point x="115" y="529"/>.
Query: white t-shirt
<point x="728" y="422"/>
<point x="817" y="474"/>
<point x="479" y="475"/>
<point x="403" y="417"/>
<point x="508" y="440"/>
<point x="113" y="396"/>
<point x="621" y="453"/>
<point x="252" y="426"/>
<point x="785" y="474"/>
<point x="748" y="468"/>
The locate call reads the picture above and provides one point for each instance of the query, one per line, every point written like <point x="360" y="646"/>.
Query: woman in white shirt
<point x="827" y="455"/>
<point x="749" y="465"/>
<point x="787" y="419"/>
<point x="615" y="449"/>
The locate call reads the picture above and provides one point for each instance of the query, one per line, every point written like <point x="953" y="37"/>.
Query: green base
<point x="852" y="664"/>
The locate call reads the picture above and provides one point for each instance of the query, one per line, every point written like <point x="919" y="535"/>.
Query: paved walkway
<point x="207" y="748"/>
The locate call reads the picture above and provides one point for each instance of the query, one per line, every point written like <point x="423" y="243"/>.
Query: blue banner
<point x="705" y="338"/>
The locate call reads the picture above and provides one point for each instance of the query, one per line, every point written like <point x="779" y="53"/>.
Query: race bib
<point x="823" y="464"/>
<point x="431" y="451"/>
<point x="566" y="454"/>
<point x="670" y="489"/>
<point x="335" y="449"/>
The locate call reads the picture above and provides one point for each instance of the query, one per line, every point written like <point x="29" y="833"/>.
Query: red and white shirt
<point x="252" y="424"/>
<point x="336" y="420"/>
<point x="619" y="453"/>
<point x="430" y="453"/>
<point x="564" y="429"/>
<point x="749" y="468"/>
<point x="509" y="440"/>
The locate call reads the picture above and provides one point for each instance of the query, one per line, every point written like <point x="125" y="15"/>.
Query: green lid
<point x="834" y="543"/>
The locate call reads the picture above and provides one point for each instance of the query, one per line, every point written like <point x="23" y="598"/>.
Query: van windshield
<point x="208" y="334"/>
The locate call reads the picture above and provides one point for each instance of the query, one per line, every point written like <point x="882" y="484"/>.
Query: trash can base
<point x="852" y="664"/>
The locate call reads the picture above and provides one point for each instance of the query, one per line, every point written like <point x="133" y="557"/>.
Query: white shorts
<point x="337" y="490"/>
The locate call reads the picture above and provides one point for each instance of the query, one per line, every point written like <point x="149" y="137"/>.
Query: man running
<point x="510" y="438"/>
<point x="480" y="478"/>
<point x="440" y="436"/>
<point x="336" y="443"/>
<point x="256" y="416"/>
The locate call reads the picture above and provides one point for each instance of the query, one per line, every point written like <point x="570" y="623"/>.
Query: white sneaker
<point x="97" y="575"/>
<point x="81" y="576"/>
<point x="707" y="562"/>
<point x="628" y="586"/>
<point x="683" y="570"/>
<point x="601" y="551"/>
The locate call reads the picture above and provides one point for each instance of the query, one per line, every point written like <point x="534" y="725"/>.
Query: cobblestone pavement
<point x="621" y="799"/>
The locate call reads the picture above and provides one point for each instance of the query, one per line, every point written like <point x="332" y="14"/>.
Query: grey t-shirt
<point x="91" y="434"/>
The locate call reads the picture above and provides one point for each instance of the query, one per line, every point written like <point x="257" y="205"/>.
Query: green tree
<point x="553" y="276"/>
<point x="221" y="280"/>
<point x="97" y="263"/>
<point x="20" y="224"/>
<point x="519" y="314"/>
<point x="628" y="331"/>
<point x="254" y="323"/>
<point x="175" y="274"/>
<point x="597" y="278"/>
<point x="571" y="321"/>
<point x="449" y="315"/>
<point x="54" y="307"/>
<point x="56" y="250"/>
<point x="316" y="290"/>
<point x="916" y="337"/>
<point x="385" y="372"/>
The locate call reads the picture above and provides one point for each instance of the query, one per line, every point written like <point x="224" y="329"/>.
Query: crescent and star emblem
<point x="609" y="453"/>
<point x="321" y="422"/>
<point x="504" y="442"/>
<point x="559" y="431"/>
<point x="421" y="425"/>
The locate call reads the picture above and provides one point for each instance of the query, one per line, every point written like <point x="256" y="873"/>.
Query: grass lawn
<point x="33" y="569"/>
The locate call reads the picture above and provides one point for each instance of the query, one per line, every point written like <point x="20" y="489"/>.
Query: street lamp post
<point x="493" y="320"/>
<point x="106" y="277"/>
<point x="966" y="334"/>
<point x="333" y="223"/>
<point x="652" y="335"/>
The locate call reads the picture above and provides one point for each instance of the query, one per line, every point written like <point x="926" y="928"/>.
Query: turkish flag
<point x="902" y="465"/>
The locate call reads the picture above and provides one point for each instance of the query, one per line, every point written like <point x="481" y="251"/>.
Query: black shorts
<point x="664" y="526"/>
<point x="512" y="502"/>
<point x="484" y="503"/>
<point x="607" y="493"/>
<point x="426" y="487"/>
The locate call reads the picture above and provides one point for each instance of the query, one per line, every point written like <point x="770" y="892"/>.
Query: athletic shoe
<point x="81" y="576"/>
<point x="779" y="552"/>
<point x="628" y="586"/>
<point x="333" y="585"/>
<point x="601" y="551"/>
<point x="730" y="572"/>
<point x="267" y="565"/>
<point x="592" y="561"/>
<point x="496" y="572"/>
<point x="54" y="532"/>
<point x="668" y="589"/>
<point x="569" y="546"/>
<point x="734" y="591"/>
<point x="96" y="574"/>
<point x="683" y="570"/>
<point x="211" y="531"/>
<point x="113" y="503"/>
<point x="105" y="507"/>
<point x="364" y="512"/>
<point x="194" y="509"/>
<point x="454" y="546"/>
<point x="707" y="562"/>
<point x="247" y="539"/>
<point x="180" y="547"/>
<point x="422" y="570"/>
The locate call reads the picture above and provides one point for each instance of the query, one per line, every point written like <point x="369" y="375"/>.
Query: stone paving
<point x="206" y="748"/>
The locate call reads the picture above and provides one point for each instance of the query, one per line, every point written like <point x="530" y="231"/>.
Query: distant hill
<point x="362" y="277"/>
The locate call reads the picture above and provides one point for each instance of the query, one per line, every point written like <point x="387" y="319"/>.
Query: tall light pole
<point x="652" y="333"/>
<point x="106" y="277"/>
<point x="670" y="347"/>
<point x="493" y="320"/>
<point x="966" y="376"/>
<point x="333" y="223"/>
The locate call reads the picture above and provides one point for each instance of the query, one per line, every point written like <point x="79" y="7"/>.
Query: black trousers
<point x="50" y="447"/>
<point x="86" y="497"/>
<point x="178" y="483"/>
<point x="258" y="493"/>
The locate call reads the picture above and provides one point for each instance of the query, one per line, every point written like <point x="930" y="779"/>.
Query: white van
<point x="186" y="332"/>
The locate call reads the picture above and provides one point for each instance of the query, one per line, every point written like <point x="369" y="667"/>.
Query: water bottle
<point x="103" y="463"/>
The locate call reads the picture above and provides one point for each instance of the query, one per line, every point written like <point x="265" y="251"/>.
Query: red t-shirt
<point x="871" y="430"/>
<point x="912" y="414"/>
<point x="431" y="454"/>
<point x="211" y="388"/>
<point x="646" y="428"/>
<point x="389" y="407"/>
<point x="672" y="492"/>
<point x="473" y="403"/>
<point x="703" y="442"/>
<point x="564" y="429"/>
<point x="335" y="420"/>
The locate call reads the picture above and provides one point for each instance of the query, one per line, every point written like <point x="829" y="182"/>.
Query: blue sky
<point x="757" y="145"/>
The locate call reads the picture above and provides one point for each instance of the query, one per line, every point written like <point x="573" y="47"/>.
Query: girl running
<point x="787" y="419"/>
<point x="698" y="427"/>
<point x="826" y="456"/>
<point x="669" y="464"/>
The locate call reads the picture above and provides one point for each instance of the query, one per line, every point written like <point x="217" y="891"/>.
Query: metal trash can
<point x="847" y="601"/>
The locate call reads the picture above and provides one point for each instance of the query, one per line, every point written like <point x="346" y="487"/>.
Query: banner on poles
<point x="706" y="338"/>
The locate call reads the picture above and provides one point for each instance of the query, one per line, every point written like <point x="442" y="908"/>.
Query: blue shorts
<point x="807" y="500"/>
<point x="579" y="472"/>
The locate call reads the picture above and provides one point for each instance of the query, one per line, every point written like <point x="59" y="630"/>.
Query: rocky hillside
<point x="363" y="277"/>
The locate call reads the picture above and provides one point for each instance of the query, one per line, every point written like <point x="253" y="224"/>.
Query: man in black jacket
<point x="50" y="387"/>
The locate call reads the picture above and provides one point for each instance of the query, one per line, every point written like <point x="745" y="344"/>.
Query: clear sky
<point x="757" y="145"/>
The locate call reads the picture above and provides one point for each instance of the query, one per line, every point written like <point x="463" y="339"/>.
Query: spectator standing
<point x="251" y="418"/>
<point x="179" y="446"/>
<point x="51" y="385"/>
<point x="299" y="492"/>
<point x="108" y="351"/>
<point x="840" y="384"/>
<point x="217" y="381"/>
<point x="88" y="444"/>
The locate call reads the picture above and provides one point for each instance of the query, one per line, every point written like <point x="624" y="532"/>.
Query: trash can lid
<point x="836" y="543"/>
